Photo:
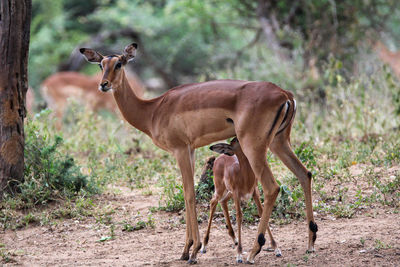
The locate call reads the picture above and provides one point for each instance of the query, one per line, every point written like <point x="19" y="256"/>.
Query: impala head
<point x="227" y="149"/>
<point x="112" y="66"/>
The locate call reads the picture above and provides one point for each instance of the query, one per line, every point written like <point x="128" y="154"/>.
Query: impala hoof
<point x="203" y="250"/>
<point x="278" y="252"/>
<point x="249" y="261"/>
<point x="239" y="259"/>
<point x="192" y="261"/>
<point x="184" y="257"/>
<point x="309" y="251"/>
<point x="235" y="241"/>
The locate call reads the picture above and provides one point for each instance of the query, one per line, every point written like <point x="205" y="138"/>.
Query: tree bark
<point x="15" y="19"/>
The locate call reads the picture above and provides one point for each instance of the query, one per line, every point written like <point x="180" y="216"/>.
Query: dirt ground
<point x="370" y="239"/>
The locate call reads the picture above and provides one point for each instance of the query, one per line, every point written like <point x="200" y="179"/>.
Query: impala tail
<point x="289" y="115"/>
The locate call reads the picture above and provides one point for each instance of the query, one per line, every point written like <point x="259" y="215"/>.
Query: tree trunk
<point x="266" y="20"/>
<point x="15" y="19"/>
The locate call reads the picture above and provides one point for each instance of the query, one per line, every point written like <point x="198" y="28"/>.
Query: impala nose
<point x="104" y="86"/>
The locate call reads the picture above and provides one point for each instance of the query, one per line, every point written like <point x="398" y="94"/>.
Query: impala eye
<point x="118" y="66"/>
<point x="100" y="66"/>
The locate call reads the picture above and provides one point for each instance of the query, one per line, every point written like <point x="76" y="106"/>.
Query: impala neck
<point x="136" y="111"/>
<point x="244" y="165"/>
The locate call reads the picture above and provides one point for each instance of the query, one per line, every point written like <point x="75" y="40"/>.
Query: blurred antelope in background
<point x="233" y="178"/>
<point x="61" y="86"/>
<point x="29" y="100"/>
<point x="388" y="57"/>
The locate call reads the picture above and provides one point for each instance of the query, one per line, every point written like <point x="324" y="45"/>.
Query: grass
<point x="139" y="223"/>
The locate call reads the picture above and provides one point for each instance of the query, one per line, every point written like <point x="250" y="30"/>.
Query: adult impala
<point x="260" y="114"/>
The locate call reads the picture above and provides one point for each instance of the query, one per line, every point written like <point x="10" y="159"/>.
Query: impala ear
<point x="222" y="149"/>
<point x="91" y="55"/>
<point x="130" y="52"/>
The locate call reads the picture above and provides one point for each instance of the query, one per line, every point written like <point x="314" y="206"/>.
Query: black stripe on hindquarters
<point x="276" y="118"/>
<point x="284" y="119"/>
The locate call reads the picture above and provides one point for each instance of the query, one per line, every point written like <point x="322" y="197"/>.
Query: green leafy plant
<point x="205" y="188"/>
<point x="49" y="174"/>
<point x="172" y="198"/>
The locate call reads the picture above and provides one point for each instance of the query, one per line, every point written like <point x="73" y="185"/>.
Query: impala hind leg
<point x="274" y="246"/>
<point x="281" y="147"/>
<point x="213" y="205"/>
<point x="257" y="158"/>
<point x="185" y="159"/>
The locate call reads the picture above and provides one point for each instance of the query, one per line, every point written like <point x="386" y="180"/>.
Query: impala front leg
<point x="185" y="159"/>
<point x="188" y="238"/>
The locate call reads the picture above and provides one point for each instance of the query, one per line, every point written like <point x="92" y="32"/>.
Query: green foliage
<point x="306" y="153"/>
<point x="205" y="189"/>
<point x="49" y="174"/>
<point x="387" y="189"/>
<point x="381" y="245"/>
<point x="51" y="41"/>
<point x="140" y="224"/>
<point x="5" y="255"/>
<point x="250" y="213"/>
<point x="392" y="154"/>
<point x="172" y="198"/>
<point x="290" y="202"/>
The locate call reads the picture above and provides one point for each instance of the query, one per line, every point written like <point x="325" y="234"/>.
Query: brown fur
<point x="30" y="100"/>
<point x="389" y="57"/>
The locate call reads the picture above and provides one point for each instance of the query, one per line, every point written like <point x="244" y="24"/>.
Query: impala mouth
<point x="104" y="89"/>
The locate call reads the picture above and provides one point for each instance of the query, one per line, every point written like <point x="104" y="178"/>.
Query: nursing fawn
<point x="234" y="178"/>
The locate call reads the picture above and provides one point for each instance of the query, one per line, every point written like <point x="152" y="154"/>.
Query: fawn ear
<point x="222" y="149"/>
<point x="91" y="55"/>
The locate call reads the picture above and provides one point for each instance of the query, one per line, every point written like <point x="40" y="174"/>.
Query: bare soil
<point x="369" y="239"/>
